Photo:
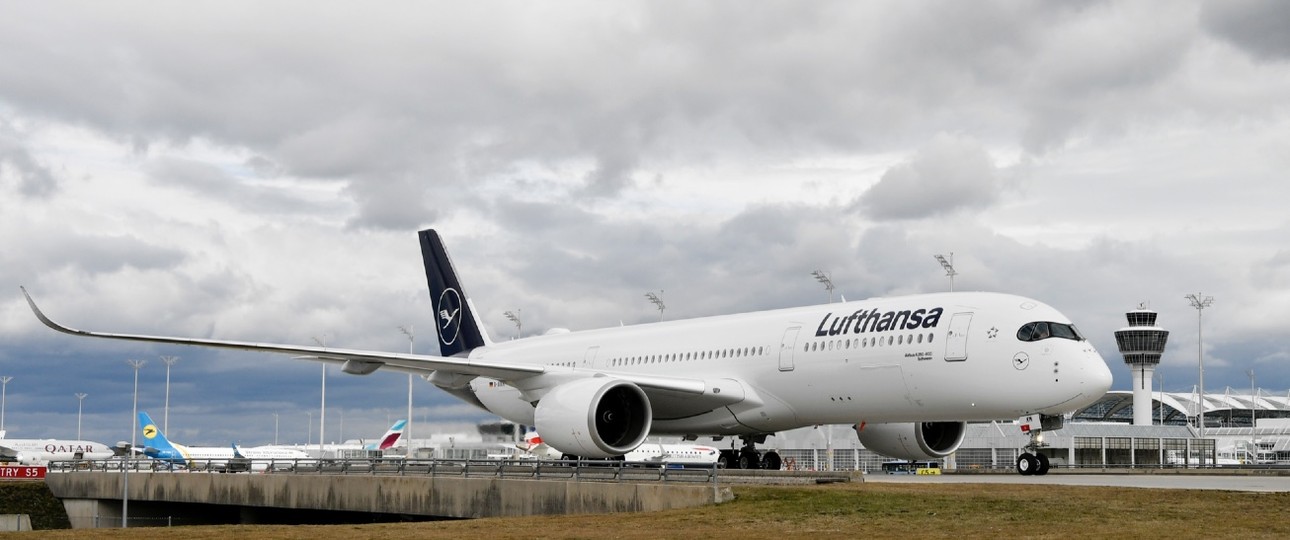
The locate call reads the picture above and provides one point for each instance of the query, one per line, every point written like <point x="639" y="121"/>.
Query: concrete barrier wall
<point x="426" y="496"/>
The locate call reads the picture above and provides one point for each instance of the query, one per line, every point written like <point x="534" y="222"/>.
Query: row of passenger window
<point x="866" y="342"/>
<point x="744" y="352"/>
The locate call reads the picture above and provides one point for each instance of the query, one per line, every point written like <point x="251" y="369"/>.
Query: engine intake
<point x="913" y="441"/>
<point x="597" y="417"/>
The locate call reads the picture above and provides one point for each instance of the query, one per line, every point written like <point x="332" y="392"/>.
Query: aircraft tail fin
<point x="457" y="323"/>
<point x="156" y="445"/>
<point x="391" y="436"/>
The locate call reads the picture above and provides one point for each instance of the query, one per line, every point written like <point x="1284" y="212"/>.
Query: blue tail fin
<point x="155" y="444"/>
<point x="459" y="328"/>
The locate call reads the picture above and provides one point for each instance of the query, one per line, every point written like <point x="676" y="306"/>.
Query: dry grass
<point x="850" y="510"/>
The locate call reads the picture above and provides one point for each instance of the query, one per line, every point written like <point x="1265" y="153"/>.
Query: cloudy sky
<point x="258" y="172"/>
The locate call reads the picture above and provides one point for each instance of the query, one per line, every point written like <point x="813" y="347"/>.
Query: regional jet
<point x="907" y="372"/>
<point x="158" y="447"/>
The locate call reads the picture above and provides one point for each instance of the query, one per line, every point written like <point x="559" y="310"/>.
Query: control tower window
<point x="1036" y="331"/>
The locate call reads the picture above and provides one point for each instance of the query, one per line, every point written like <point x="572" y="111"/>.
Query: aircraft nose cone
<point x="1099" y="379"/>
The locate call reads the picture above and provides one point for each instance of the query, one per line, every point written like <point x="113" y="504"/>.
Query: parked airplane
<point x="347" y="449"/>
<point x="42" y="451"/>
<point x="158" y="447"/>
<point x="908" y="372"/>
<point x="660" y="453"/>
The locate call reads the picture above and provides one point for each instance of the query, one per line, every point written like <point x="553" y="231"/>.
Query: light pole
<point x="309" y="438"/>
<point x="275" y="428"/>
<point x="407" y="428"/>
<point x="1200" y="302"/>
<point x="4" y="388"/>
<point x="322" y="409"/>
<point x="822" y="277"/>
<point x="165" y="421"/>
<point x="948" y="266"/>
<point x="80" y="405"/>
<point x="657" y="300"/>
<point x="134" y="413"/>
<point x="1254" y="398"/>
<point x="515" y="318"/>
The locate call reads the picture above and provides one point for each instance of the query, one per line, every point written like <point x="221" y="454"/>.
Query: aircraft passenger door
<point x="787" y="347"/>
<point x="956" y="342"/>
<point x="589" y="359"/>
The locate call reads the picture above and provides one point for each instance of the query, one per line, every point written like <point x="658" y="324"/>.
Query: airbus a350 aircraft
<point x="908" y="372"/>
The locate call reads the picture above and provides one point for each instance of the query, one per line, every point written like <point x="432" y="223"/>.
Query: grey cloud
<point x="215" y="184"/>
<point x="1258" y="27"/>
<point x="949" y="174"/>
<point x="35" y="180"/>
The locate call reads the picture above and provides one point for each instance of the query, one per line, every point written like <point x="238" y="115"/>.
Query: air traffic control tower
<point x="1141" y="343"/>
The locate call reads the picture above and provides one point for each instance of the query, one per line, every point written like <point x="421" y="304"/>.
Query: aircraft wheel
<point x="1042" y="469"/>
<point x="749" y="460"/>
<point x="1026" y="464"/>
<point x="727" y="460"/>
<point x="771" y="461"/>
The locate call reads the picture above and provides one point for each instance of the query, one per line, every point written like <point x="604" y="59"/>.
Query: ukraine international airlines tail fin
<point x="458" y="326"/>
<point x="391" y="436"/>
<point x="155" y="443"/>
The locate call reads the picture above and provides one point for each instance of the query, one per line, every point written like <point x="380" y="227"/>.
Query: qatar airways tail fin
<point x="391" y="436"/>
<point x="458" y="325"/>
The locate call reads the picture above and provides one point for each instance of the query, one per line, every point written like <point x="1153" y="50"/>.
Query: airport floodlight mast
<point x="134" y="413"/>
<point x="80" y="406"/>
<point x="322" y="409"/>
<point x="515" y="318"/>
<point x="1200" y="302"/>
<point x="4" y="388"/>
<point x="165" y="421"/>
<point x="948" y="266"/>
<point x="822" y="277"/>
<point x="1141" y="343"/>
<point x="407" y="428"/>
<point x="1254" y="398"/>
<point x="657" y="300"/>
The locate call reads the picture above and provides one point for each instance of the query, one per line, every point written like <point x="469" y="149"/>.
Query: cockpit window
<point x="1036" y="331"/>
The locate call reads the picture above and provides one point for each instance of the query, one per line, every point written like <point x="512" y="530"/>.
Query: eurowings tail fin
<point x="458" y="325"/>
<point x="391" y="436"/>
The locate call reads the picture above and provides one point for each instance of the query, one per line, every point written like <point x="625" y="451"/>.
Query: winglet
<point x="46" y="320"/>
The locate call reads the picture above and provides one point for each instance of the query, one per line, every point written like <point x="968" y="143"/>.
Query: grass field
<point x="851" y="510"/>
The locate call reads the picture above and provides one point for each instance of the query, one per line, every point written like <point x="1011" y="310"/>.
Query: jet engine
<point x="598" y="417"/>
<point x="916" y="441"/>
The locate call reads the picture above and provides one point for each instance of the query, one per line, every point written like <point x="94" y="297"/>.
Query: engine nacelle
<point x="598" y="417"/>
<point x="916" y="441"/>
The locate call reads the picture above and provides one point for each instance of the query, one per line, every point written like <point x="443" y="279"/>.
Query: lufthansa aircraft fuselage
<point x="908" y="359"/>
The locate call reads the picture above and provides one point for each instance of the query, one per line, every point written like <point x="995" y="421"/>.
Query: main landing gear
<point x="748" y="457"/>
<point x="1031" y="461"/>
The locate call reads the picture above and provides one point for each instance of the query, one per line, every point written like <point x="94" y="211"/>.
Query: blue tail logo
<point x="155" y="444"/>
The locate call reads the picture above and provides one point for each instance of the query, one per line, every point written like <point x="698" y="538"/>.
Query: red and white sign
<point x="22" y="473"/>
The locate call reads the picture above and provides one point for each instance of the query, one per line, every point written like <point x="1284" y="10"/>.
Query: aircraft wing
<point x="7" y="452"/>
<point x="363" y="361"/>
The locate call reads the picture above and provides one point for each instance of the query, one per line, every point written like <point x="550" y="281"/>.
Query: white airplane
<point x="534" y="447"/>
<point x="41" y="451"/>
<point x="908" y="372"/>
<point x="158" y="447"/>
<point x="361" y="448"/>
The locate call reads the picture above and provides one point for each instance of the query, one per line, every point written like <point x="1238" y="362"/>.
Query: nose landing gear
<point x="1031" y="461"/>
